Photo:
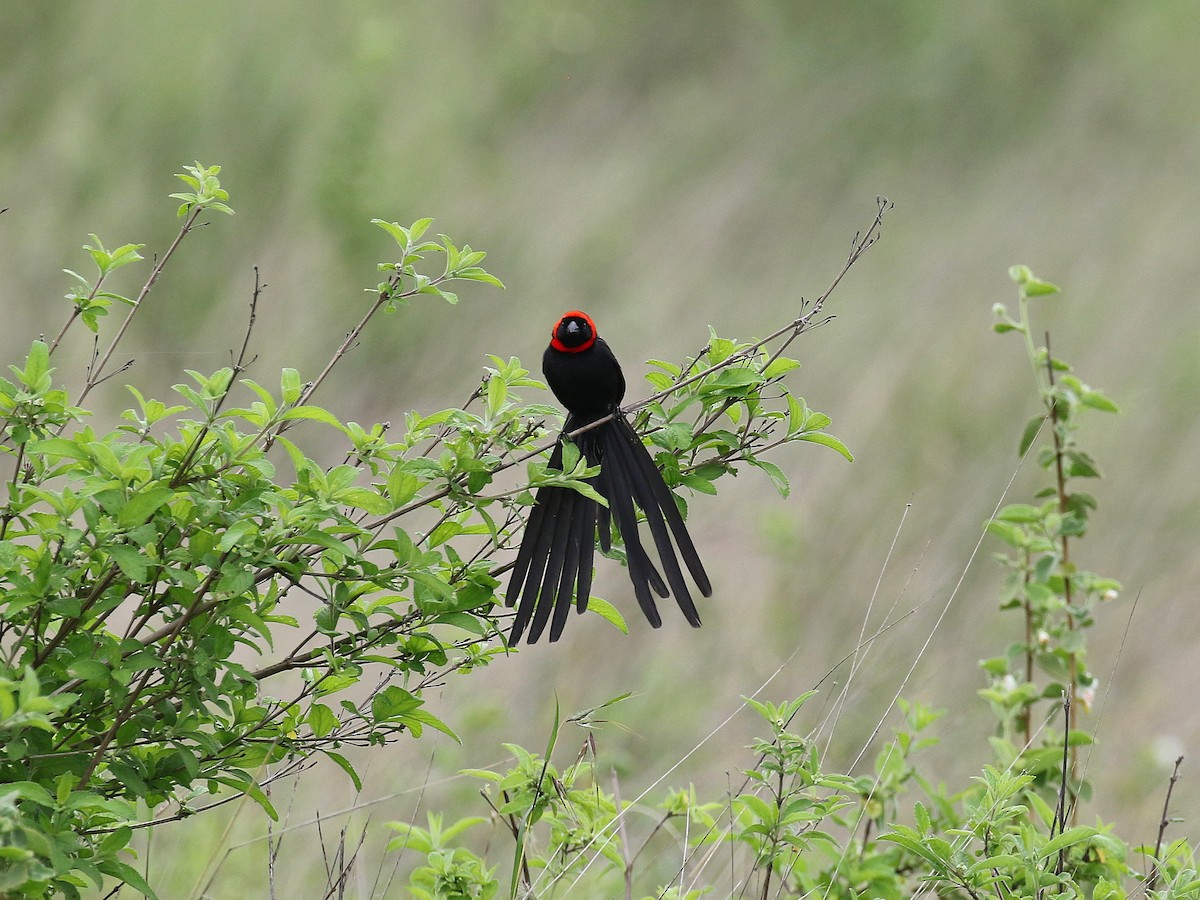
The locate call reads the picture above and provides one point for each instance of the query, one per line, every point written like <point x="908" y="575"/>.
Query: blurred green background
<point x="668" y="166"/>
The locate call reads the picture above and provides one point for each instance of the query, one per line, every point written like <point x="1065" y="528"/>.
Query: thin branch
<point x="94" y="371"/>
<point x="798" y="325"/>
<point x="1164" y="821"/>
<point x="1060" y="482"/>
<point x="239" y="366"/>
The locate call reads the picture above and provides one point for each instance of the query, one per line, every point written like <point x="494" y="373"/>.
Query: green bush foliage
<point x="193" y="594"/>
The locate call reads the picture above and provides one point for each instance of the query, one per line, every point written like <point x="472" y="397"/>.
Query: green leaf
<point x="36" y="374"/>
<point x="608" y="613"/>
<point x="1082" y="465"/>
<point x="315" y="413"/>
<point x="734" y="381"/>
<point x="776" y="475"/>
<point x="364" y="498"/>
<point x="128" y="874"/>
<point x="90" y="671"/>
<point x="1066" y="839"/>
<point x="798" y="413"/>
<point x="321" y="720"/>
<point x="698" y="483"/>
<point x="1020" y="512"/>
<point x="131" y="562"/>
<point x="1097" y="400"/>
<point x="346" y="767"/>
<point x="248" y="786"/>
<point x="235" y="534"/>
<point x="674" y="436"/>
<point x="27" y="790"/>
<point x="1031" y="285"/>
<point x="1035" y="287"/>
<point x="418" y="228"/>
<point x="402" y="486"/>
<point x="57" y="447"/>
<point x="474" y="273"/>
<point x="141" y="506"/>
<point x="1032" y="427"/>
<point x="827" y="440"/>
<point x="399" y="233"/>
<point x="780" y="366"/>
<point x="289" y="383"/>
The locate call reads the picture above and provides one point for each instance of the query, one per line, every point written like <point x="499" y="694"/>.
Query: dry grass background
<point x="667" y="167"/>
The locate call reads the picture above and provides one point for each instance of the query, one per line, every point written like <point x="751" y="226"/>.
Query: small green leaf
<point x="608" y="612"/>
<point x="57" y="447"/>
<point x="1032" y="427"/>
<point x="402" y="486"/>
<point x="141" y="506"/>
<point x="91" y="671"/>
<point x="778" y="478"/>
<point x="1020" y="512"/>
<point x="27" y="790"/>
<point x="315" y="413"/>
<point x="128" y="874"/>
<point x="1097" y="400"/>
<point x="290" y="386"/>
<point x="827" y="440"/>
<point x="1066" y="839"/>
<point x="698" y="483"/>
<point x="36" y="374"/>
<point x="321" y="720"/>
<point x="247" y="785"/>
<point x="780" y="366"/>
<point x="130" y="561"/>
<point x="474" y="273"/>
<point x="346" y="767"/>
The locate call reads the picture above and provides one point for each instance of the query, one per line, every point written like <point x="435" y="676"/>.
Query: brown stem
<point x="1027" y="713"/>
<point x="1061" y="486"/>
<point x="1152" y="881"/>
<point x="10" y="512"/>
<point x="94" y="371"/>
<point x="239" y="366"/>
<point x="69" y="625"/>
<point x="70" y="319"/>
<point x="351" y="339"/>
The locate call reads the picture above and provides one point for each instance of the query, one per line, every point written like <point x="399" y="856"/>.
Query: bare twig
<point x="1059" y="825"/>
<point x="93" y="377"/>
<point x="1060" y="482"/>
<point x="347" y="345"/>
<point x="1163" y="822"/>
<point x="239" y="366"/>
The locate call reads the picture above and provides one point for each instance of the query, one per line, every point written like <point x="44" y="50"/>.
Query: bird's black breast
<point x="588" y="383"/>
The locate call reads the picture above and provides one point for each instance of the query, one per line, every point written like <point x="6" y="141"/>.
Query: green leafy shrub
<point x="193" y="594"/>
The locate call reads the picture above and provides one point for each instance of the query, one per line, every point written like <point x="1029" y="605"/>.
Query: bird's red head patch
<point x="573" y="333"/>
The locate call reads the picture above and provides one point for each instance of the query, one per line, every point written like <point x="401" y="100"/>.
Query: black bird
<point x="555" y="560"/>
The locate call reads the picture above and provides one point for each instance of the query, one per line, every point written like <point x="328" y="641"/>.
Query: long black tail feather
<point x="658" y="494"/>
<point x="554" y="564"/>
<point x="643" y="477"/>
